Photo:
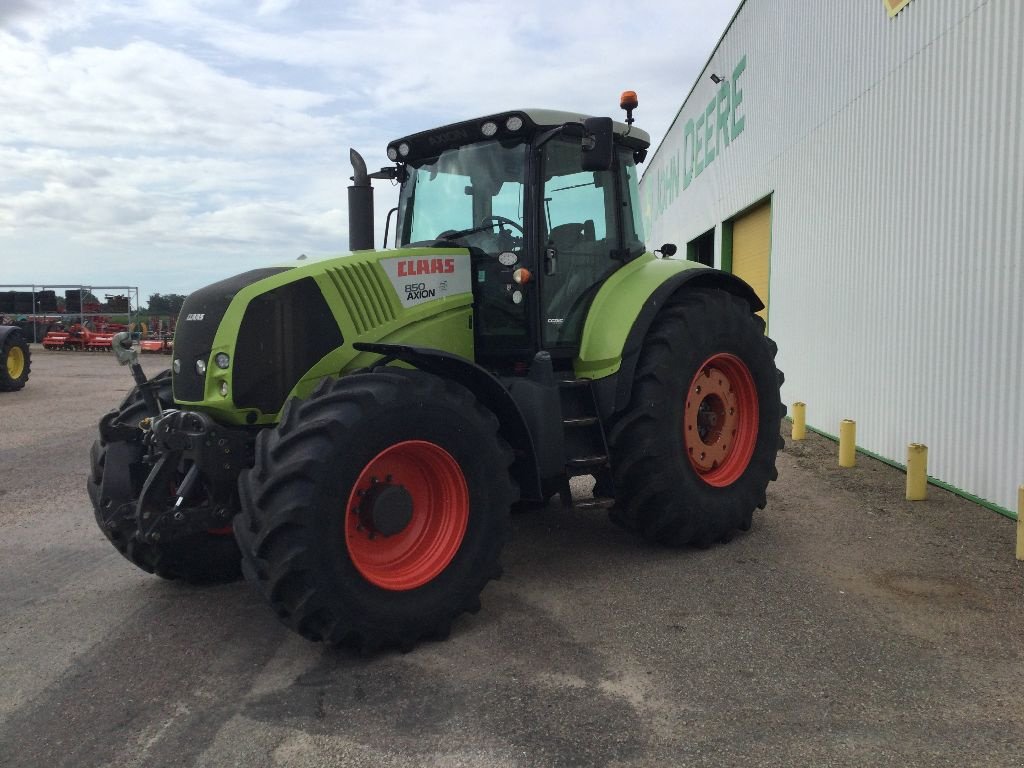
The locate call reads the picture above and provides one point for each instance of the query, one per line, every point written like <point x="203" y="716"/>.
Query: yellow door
<point x="751" y="249"/>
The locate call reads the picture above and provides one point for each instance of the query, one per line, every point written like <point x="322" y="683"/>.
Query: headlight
<point x="223" y="389"/>
<point x="222" y="360"/>
<point x="489" y="129"/>
<point x="514" y="123"/>
<point x="201" y="367"/>
<point x="176" y="366"/>
<point x="403" y="149"/>
<point x="392" y="154"/>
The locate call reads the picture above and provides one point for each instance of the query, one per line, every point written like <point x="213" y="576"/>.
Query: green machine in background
<point x="15" y="359"/>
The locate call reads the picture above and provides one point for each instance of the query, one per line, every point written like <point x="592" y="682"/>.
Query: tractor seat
<point x="566" y="237"/>
<point x="582" y="261"/>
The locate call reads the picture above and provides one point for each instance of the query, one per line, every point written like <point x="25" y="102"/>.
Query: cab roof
<point x="431" y="143"/>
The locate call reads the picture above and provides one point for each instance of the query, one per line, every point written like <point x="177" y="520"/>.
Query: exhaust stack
<point x="360" y="206"/>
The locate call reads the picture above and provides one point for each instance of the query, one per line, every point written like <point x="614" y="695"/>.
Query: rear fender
<point x="622" y="313"/>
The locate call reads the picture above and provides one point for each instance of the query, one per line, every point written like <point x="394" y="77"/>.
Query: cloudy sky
<point x="165" y="144"/>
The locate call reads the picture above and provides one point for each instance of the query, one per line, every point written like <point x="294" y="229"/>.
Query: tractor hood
<point x="245" y="344"/>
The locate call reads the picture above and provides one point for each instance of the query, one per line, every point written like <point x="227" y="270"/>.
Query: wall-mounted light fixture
<point x="715" y="79"/>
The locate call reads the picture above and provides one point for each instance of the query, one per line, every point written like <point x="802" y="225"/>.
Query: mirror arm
<point x="548" y="135"/>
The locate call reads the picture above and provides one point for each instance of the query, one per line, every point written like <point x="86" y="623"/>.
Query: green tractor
<point x="352" y="433"/>
<point x="15" y="359"/>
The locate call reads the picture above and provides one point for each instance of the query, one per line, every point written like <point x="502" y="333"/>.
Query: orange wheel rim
<point x="406" y="515"/>
<point x="720" y="420"/>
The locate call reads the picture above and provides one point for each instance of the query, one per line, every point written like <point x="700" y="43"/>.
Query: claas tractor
<point x="352" y="433"/>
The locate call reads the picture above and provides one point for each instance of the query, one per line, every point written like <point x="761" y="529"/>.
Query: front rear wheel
<point x="377" y="509"/>
<point x="695" y="450"/>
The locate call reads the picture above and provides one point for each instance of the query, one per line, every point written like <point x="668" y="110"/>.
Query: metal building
<point x="860" y="163"/>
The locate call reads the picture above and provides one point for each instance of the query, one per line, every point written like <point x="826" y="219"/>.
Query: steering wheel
<point x="486" y="223"/>
<point x="499" y="220"/>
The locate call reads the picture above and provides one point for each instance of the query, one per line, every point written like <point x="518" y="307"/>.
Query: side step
<point x="586" y="449"/>
<point x="602" y="502"/>
<point x="585" y="462"/>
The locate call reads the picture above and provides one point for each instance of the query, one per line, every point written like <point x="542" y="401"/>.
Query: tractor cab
<point x="548" y="205"/>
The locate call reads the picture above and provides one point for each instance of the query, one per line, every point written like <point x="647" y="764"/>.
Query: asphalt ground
<point x="849" y="627"/>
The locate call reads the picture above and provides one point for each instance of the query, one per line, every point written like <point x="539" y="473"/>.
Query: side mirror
<point x="598" y="145"/>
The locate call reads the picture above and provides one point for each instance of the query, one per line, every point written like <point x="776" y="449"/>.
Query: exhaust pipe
<point x="360" y="206"/>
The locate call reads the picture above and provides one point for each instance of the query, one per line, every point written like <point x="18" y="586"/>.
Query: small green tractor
<point x="15" y="359"/>
<point x="353" y="433"/>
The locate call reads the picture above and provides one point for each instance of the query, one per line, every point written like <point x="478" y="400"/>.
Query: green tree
<point x="165" y="304"/>
<point x="158" y="304"/>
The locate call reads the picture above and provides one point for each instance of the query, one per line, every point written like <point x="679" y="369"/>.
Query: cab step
<point x="582" y="462"/>
<point x="600" y="502"/>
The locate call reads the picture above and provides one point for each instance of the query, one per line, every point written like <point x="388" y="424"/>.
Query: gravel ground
<point x="849" y="627"/>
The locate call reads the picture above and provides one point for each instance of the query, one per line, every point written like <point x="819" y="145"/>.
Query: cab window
<point x="579" y="229"/>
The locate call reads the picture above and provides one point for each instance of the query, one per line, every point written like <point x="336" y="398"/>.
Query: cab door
<point x="581" y="244"/>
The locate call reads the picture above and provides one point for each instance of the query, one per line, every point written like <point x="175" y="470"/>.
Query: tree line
<point x="165" y="303"/>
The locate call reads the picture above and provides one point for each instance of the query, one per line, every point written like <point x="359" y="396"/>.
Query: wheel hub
<point x="385" y="509"/>
<point x="711" y="413"/>
<point x="407" y="514"/>
<point x="720" y="419"/>
<point x="15" y="362"/>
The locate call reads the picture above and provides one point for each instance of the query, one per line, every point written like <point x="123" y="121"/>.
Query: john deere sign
<point x="706" y="135"/>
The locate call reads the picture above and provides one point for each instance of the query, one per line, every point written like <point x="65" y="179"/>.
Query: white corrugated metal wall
<point x="892" y="151"/>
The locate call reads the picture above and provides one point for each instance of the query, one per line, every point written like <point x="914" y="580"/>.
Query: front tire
<point x="694" y="451"/>
<point x="377" y="509"/>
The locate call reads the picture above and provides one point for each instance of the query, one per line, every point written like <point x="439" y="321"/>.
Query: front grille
<point x="197" y="326"/>
<point x="283" y="334"/>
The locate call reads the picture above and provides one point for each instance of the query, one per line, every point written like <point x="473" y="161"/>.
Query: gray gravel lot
<point x="849" y="627"/>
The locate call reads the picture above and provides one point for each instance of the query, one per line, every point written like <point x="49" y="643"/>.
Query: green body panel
<point x="616" y="306"/>
<point x="366" y="307"/>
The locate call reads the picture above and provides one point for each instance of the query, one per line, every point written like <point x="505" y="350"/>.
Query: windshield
<point x="469" y="188"/>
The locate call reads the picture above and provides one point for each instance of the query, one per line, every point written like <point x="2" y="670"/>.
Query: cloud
<point x="212" y="135"/>
<point x="150" y="97"/>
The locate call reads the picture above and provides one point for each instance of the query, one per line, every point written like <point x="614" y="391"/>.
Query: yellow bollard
<point x="799" y="421"/>
<point x="847" y="443"/>
<point x="917" y="472"/>
<point x="1020" y="523"/>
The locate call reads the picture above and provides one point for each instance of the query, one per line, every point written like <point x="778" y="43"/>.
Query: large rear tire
<point x="693" y="453"/>
<point x="377" y="509"/>
<point x="201" y="558"/>
<point x="15" y="362"/>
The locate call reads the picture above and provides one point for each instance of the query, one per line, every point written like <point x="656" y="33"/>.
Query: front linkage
<point x="164" y="478"/>
<point x="191" y="484"/>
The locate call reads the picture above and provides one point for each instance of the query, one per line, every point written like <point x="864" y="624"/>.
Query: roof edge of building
<point x="700" y="75"/>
